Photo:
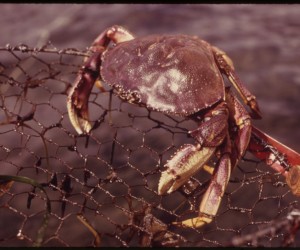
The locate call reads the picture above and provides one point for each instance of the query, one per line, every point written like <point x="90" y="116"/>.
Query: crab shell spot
<point x="165" y="87"/>
<point x="184" y="164"/>
<point x="172" y="74"/>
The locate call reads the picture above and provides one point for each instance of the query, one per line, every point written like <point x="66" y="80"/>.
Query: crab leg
<point x="213" y="195"/>
<point x="212" y="134"/>
<point x="226" y="65"/>
<point x="189" y="159"/>
<point x="278" y="156"/>
<point x="230" y="155"/>
<point x="77" y="103"/>
<point x="241" y="119"/>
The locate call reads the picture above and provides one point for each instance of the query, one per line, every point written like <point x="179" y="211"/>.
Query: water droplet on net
<point x="20" y="235"/>
<point x="23" y="47"/>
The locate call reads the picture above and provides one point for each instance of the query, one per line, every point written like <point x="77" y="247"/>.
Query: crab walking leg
<point x="77" y="103"/>
<point x="278" y="156"/>
<point x="226" y="65"/>
<point x="240" y="117"/>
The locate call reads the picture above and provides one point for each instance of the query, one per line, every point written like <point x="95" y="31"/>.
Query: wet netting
<point x="58" y="188"/>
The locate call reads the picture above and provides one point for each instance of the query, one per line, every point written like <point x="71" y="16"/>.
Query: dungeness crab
<point x="180" y="75"/>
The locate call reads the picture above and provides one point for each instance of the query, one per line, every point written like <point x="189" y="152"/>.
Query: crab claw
<point x="78" y="97"/>
<point x="77" y="106"/>
<point x="184" y="164"/>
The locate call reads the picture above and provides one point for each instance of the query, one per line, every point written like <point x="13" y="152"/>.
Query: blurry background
<point x="114" y="180"/>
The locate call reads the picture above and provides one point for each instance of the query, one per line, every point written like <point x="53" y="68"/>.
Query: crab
<point x="179" y="75"/>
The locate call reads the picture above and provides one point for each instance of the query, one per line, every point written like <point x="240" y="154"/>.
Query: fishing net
<point x="58" y="188"/>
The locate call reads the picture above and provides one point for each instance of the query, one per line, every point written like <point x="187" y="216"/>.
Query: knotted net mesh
<point x="61" y="189"/>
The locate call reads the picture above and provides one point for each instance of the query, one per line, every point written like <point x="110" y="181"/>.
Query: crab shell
<point x="171" y="74"/>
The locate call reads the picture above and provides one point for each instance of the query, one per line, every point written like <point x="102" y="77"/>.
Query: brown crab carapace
<point x="179" y="75"/>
